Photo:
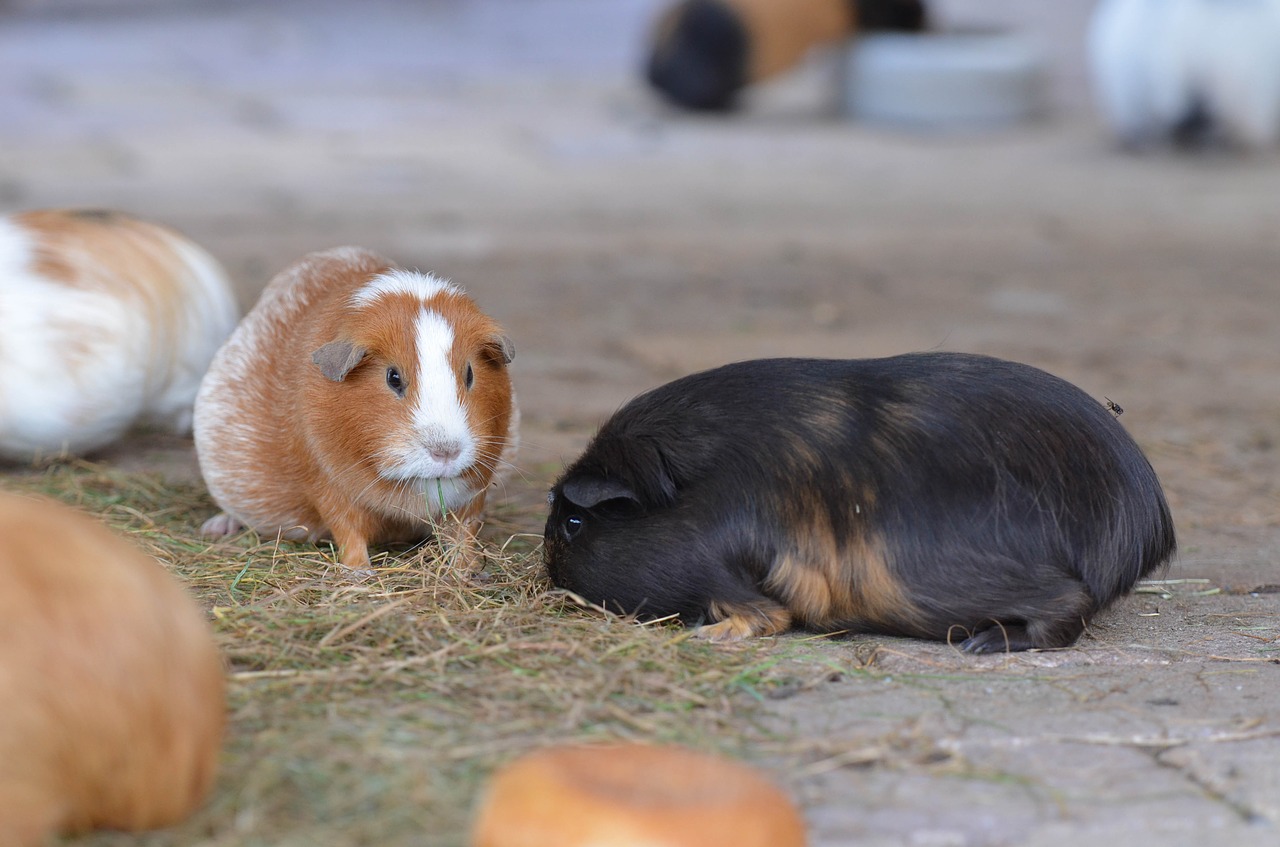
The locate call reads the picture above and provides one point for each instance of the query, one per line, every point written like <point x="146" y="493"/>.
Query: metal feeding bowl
<point x="944" y="81"/>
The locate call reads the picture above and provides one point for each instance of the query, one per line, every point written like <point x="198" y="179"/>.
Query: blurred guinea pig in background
<point x="106" y="321"/>
<point x="1188" y="71"/>
<point x="704" y="52"/>
<point x="935" y="495"/>
<point x="357" y="401"/>
<point x="113" y="690"/>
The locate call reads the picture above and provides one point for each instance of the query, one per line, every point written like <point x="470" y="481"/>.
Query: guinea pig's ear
<point x="337" y="358"/>
<point x="501" y="347"/>
<point x="588" y="491"/>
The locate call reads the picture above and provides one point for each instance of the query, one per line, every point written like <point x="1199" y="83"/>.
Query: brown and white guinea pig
<point x="105" y="321"/>
<point x="357" y="401"/>
<point x="113" y="690"/>
<point x="705" y="51"/>
<point x="936" y="495"/>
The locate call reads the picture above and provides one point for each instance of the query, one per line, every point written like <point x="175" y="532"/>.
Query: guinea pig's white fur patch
<point x="443" y="446"/>
<point x="438" y="417"/>
<point x="398" y="281"/>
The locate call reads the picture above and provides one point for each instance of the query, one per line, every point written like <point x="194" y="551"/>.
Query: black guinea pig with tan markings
<point x="704" y="52"/>
<point x="936" y="495"/>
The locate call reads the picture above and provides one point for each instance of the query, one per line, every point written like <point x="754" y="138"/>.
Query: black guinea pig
<point x="936" y="495"/>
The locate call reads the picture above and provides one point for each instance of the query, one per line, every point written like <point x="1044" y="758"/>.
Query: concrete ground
<point x="507" y="145"/>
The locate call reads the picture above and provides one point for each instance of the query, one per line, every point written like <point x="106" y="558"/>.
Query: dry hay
<point x="371" y="712"/>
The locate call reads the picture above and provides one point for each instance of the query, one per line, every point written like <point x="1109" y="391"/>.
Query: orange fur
<point x="737" y="622"/>
<point x="72" y="244"/>
<point x="825" y="584"/>
<point x="826" y="587"/>
<point x="786" y="31"/>
<point x="627" y="795"/>
<point x="114" y="692"/>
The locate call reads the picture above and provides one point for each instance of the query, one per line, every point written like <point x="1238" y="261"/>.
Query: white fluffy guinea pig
<point x="357" y="401"/>
<point x="114" y="692"/>
<point x="105" y="321"/>
<point x="1181" y="69"/>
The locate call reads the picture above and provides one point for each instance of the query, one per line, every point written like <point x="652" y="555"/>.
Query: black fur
<point x="1008" y="505"/>
<point x="702" y="62"/>
<point x="895" y="15"/>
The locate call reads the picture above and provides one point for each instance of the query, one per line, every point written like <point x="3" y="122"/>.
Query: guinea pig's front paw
<point x="725" y="631"/>
<point x="220" y="526"/>
<point x="746" y="620"/>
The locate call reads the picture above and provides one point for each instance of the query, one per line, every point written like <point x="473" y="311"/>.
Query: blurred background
<point x="514" y="146"/>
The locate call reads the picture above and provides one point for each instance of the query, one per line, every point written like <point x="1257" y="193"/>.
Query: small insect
<point x="1113" y="407"/>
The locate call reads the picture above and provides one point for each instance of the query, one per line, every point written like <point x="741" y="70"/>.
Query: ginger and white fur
<point x="301" y="435"/>
<point x="1157" y="62"/>
<point x="106" y="321"/>
<point x="114" y="692"/>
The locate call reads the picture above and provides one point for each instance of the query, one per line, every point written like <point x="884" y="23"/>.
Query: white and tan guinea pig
<point x="1186" y="70"/>
<point x="357" y="401"/>
<point x="106" y="321"/>
<point x="113" y="690"/>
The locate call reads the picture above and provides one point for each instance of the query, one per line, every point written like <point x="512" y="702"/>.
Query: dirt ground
<point x="622" y="245"/>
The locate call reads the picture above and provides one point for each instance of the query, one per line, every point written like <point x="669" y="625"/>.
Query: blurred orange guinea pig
<point x="633" y="795"/>
<point x="113" y="690"/>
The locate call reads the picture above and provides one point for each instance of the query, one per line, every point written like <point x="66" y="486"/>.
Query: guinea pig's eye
<point x="572" y="526"/>
<point x="471" y="376"/>
<point x="395" y="382"/>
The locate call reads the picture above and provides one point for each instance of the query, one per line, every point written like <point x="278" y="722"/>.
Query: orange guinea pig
<point x="633" y="795"/>
<point x="113" y="690"/>
<point x="360" y="402"/>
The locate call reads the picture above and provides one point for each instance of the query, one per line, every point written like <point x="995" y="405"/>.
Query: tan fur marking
<point x="782" y="33"/>
<point x="736" y="622"/>
<point x="72" y="247"/>
<point x="825" y="585"/>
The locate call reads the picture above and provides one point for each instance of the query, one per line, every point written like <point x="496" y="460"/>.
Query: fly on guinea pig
<point x="937" y="495"/>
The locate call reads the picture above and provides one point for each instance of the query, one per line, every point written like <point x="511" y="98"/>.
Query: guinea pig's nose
<point x="444" y="451"/>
